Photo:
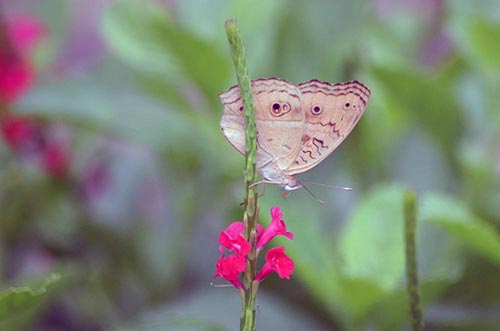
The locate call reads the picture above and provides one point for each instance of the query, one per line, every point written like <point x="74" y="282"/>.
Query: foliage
<point x="152" y="180"/>
<point x="18" y="302"/>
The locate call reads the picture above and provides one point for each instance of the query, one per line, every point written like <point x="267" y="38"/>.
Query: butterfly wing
<point x="232" y="122"/>
<point x="332" y="111"/>
<point x="279" y="120"/>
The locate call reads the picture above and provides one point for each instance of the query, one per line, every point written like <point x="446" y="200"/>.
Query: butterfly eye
<point x="241" y="109"/>
<point x="279" y="109"/>
<point x="316" y="110"/>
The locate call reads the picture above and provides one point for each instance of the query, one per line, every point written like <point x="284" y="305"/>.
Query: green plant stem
<point x="415" y="311"/>
<point x="247" y="321"/>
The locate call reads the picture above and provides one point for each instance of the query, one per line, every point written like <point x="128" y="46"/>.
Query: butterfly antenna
<point x="312" y="194"/>
<point x="345" y="188"/>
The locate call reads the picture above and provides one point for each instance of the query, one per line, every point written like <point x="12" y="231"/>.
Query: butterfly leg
<point x="263" y="182"/>
<point x="244" y="203"/>
<point x="263" y="189"/>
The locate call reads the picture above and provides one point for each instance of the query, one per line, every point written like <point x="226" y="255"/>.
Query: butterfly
<point x="298" y="126"/>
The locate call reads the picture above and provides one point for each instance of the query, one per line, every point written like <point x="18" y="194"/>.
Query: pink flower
<point x="25" y="32"/>
<point x="233" y="239"/>
<point x="24" y="134"/>
<point x="55" y="159"/>
<point x="18" y="132"/>
<point x="230" y="268"/>
<point x="16" y="76"/>
<point x="277" y="227"/>
<point x="36" y="142"/>
<point x="16" y="72"/>
<point x="236" y="244"/>
<point x="278" y="261"/>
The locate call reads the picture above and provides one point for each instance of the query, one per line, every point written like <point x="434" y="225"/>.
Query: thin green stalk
<point x="410" y="210"/>
<point x="247" y="321"/>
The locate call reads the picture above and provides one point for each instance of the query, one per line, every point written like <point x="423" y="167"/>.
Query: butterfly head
<point x="292" y="184"/>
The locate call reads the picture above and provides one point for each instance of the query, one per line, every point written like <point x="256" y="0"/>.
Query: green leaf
<point x="358" y="296"/>
<point x="312" y="248"/>
<point x="453" y="216"/>
<point x="372" y="252"/>
<point x="18" y="300"/>
<point x="365" y="272"/>
<point x="483" y="39"/>
<point x="133" y="33"/>
<point x="425" y="99"/>
<point x="372" y="241"/>
<point x="142" y="35"/>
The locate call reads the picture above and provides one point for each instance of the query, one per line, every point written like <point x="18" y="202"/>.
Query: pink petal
<point x="238" y="245"/>
<point x="25" y="32"/>
<point x="16" y="76"/>
<point x="55" y="159"/>
<point x="277" y="261"/>
<point x="276" y="213"/>
<point x="276" y="228"/>
<point x="18" y="131"/>
<point x="235" y="229"/>
<point x="230" y="268"/>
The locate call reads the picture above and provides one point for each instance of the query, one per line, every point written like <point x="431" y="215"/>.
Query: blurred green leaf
<point x="372" y="252"/>
<point x="440" y="265"/>
<point x="358" y="296"/>
<point x="454" y="217"/>
<point x="426" y="99"/>
<point x="18" y="304"/>
<point x="215" y="309"/>
<point x="318" y="47"/>
<point x="371" y="245"/>
<point x="16" y="299"/>
<point x="483" y="39"/>
<point x="369" y="262"/>
<point x="143" y="35"/>
<point x="382" y="121"/>
<point x="133" y="32"/>
<point x="312" y="249"/>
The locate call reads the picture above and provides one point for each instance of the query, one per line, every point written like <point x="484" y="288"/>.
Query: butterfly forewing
<point x="332" y="111"/>
<point x="232" y="122"/>
<point x="279" y="120"/>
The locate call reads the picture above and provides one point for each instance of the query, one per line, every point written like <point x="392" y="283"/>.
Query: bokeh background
<point x="115" y="179"/>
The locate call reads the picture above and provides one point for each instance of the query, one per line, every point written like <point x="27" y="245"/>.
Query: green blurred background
<point x="127" y="91"/>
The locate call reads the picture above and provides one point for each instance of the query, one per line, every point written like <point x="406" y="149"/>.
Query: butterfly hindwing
<point x="332" y="111"/>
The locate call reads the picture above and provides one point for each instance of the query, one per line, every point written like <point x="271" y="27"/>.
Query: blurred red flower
<point x="17" y="74"/>
<point x="19" y="132"/>
<point x="25" y="135"/>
